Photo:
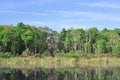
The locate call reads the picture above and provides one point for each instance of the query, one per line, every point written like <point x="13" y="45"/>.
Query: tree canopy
<point x="41" y="40"/>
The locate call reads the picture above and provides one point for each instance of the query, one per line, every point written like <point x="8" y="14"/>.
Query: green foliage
<point x="6" y="54"/>
<point x="27" y="36"/>
<point x="72" y="54"/>
<point x="117" y="48"/>
<point x="46" y="53"/>
<point x="26" y="52"/>
<point x="101" y="45"/>
<point x="25" y="39"/>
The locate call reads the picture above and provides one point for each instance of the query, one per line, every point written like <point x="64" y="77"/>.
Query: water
<point x="83" y="73"/>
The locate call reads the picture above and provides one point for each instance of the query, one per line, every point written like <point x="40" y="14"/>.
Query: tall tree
<point x="91" y="36"/>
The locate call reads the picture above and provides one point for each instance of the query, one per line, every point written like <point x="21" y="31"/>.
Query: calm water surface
<point x="60" y="74"/>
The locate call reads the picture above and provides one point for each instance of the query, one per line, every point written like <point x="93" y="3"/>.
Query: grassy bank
<point x="59" y="62"/>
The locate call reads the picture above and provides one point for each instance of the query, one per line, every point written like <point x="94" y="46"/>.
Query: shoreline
<point x="58" y="62"/>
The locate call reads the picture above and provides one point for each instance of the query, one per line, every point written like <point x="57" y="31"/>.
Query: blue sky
<point x="58" y="14"/>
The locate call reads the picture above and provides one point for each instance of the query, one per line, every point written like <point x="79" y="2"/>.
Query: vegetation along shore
<point x="29" y="45"/>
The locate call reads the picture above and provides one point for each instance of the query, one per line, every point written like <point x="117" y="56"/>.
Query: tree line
<point x="40" y="40"/>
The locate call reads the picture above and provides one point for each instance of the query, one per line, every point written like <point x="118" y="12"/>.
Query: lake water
<point x="82" y="73"/>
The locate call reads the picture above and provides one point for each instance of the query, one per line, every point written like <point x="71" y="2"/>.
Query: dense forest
<point x="22" y="38"/>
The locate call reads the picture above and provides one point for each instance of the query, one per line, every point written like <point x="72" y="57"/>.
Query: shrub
<point x="26" y="52"/>
<point x="46" y="53"/>
<point x="6" y="54"/>
<point x="72" y="54"/>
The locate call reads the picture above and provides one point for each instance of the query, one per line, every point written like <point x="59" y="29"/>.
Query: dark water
<point x="60" y="74"/>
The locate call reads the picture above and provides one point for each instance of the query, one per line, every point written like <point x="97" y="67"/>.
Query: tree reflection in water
<point x="60" y="74"/>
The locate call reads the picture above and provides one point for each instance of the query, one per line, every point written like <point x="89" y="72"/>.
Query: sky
<point x="59" y="14"/>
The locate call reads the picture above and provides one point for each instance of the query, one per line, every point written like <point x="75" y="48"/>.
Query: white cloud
<point x="103" y="4"/>
<point x="12" y="4"/>
<point x="23" y="12"/>
<point x="84" y="15"/>
<point x="64" y="13"/>
<point x="83" y="19"/>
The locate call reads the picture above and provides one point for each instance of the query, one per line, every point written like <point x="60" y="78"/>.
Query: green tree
<point x="91" y="36"/>
<point x="62" y="37"/>
<point x="27" y="37"/>
<point x="5" y="38"/>
<point x="78" y="39"/>
<point x="18" y="44"/>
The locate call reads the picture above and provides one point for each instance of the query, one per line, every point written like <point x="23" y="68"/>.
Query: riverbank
<point x="58" y="62"/>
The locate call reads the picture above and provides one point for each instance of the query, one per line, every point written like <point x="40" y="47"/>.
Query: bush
<point x="59" y="53"/>
<point x="72" y="54"/>
<point x="26" y="52"/>
<point x="6" y="54"/>
<point x="46" y="53"/>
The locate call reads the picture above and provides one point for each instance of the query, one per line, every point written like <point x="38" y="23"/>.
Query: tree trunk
<point x="26" y="46"/>
<point x="35" y="50"/>
<point x="75" y="47"/>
